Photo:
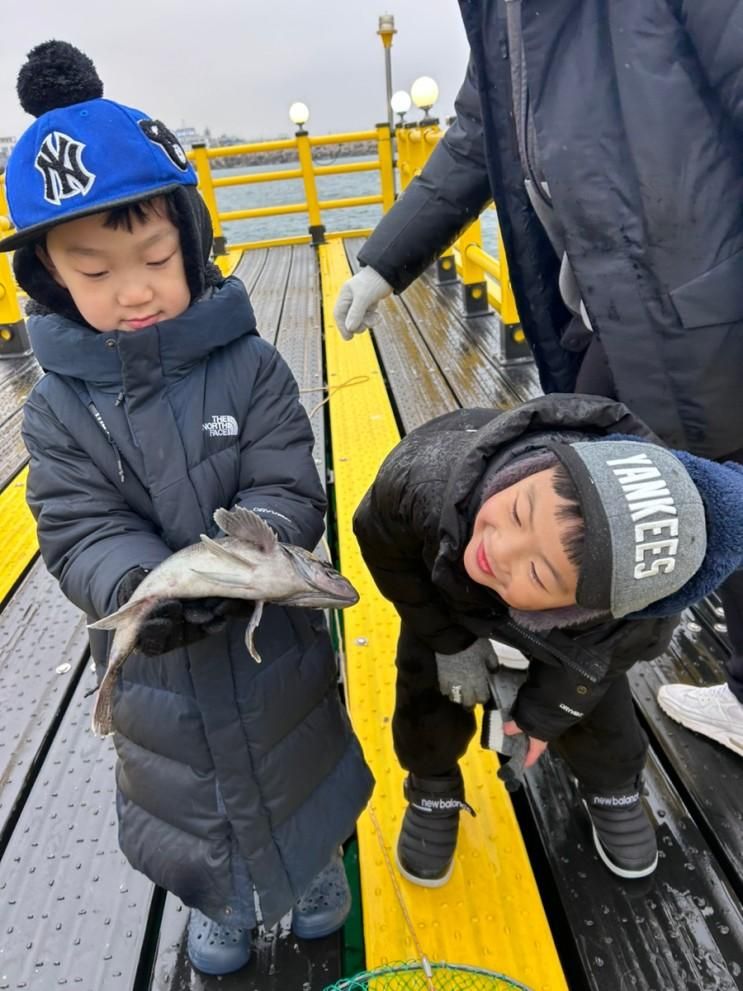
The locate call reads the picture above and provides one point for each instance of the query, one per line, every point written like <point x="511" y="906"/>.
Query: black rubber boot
<point x="623" y="834"/>
<point x="428" y="836"/>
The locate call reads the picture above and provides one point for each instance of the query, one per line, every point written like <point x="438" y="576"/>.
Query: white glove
<point x="356" y="306"/>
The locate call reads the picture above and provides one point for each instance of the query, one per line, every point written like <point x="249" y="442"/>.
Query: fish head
<point x="320" y="586"/>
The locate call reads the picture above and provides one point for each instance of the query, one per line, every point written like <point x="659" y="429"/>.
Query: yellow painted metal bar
<point x="228" y="151"/>
<point x="345" y="167"/>
<point x="246" y="180"/>
<point x="344" y="138"/>
<point x="350" y="201"/>
<point x="490" y="913"/>
<point x="308" y="177"/>
<point x="206" y="186"/>
<point x="264" y="211"/>
<point x="386" y="166"/>
<point x="469" y="242"/>
<point x="19" y="533"/>
<point x="509" y="313"/>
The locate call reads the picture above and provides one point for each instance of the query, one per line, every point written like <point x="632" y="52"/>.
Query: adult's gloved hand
<point x="464" y="677"/>
<point x="356" y="306"/>
<point x="178" y="622"/>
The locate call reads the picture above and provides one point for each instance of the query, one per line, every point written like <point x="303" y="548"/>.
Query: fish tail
<point x="130" y="611"/>
<point x="102" y="723"/>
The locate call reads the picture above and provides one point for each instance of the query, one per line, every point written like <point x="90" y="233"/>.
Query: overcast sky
<point x="239" y="68"/>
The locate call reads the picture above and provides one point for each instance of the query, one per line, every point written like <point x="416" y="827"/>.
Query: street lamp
<point x="400" y="103"/>
<point x="425" y="92"/>
<point x="386" y="31"/>
<point x="299" y="114"/>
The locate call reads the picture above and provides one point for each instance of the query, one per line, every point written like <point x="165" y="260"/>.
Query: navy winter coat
<point x="638" y="113"/>
<point x="221" y="761"/>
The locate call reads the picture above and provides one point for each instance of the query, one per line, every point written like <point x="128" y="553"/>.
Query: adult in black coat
<point x="610" y="136"/>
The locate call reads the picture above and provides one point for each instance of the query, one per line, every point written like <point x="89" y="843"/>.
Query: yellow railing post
<point x="386" y="166"/>
<point x="404" y="167"/>
<point x="474" y="286"/>
<point x="13" y="334"/>
<point x="304" y="152"/>
<point x="515" y="344"/>
<point x="206" y="188"/>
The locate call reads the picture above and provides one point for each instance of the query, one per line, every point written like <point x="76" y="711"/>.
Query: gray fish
<point x="248" y="563"/>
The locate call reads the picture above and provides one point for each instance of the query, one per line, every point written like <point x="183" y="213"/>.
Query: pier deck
<point x="528" y="897"/>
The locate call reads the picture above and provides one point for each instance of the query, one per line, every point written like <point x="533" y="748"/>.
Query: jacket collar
<point x="68" y="348"/>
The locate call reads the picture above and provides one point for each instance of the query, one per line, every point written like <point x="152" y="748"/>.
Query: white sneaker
<point x="509" y="657"/>
<point x="715" y="712"/>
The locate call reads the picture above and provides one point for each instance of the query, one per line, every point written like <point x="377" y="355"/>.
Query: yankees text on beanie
<point x="646" y="532"/>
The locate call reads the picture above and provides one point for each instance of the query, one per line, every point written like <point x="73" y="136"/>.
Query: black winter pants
<point x="605" y="751"/>
<point x="595" y="379"/>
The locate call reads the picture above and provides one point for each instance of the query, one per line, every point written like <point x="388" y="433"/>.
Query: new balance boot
<point x="714" y="712"/>
<point x="623" y="835"/>
<point x="428" y="836"/>
<point x="214" y="948"/>
<point x="324" y="907"/>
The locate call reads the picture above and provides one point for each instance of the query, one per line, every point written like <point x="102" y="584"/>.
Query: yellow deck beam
<point x="490" y="913"/>
<point x="19" y="530"/>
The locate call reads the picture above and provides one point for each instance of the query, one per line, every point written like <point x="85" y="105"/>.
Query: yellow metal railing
<point x="484" y="278"/>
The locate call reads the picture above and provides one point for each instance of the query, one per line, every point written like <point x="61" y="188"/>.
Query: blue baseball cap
<point x="86" y="158"/>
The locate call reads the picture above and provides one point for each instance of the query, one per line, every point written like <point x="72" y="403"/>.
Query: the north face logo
<point x="221" y="426"/>
<point x="60" y="162"/>
<point x="159" y="135"/>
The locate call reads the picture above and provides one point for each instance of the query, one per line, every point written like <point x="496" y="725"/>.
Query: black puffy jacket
<point x="638" y="113"/>
<point x="416" y="520"/>
<point x="221" y="761"/>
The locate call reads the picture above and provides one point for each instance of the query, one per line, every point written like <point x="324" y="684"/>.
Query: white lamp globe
<point x="299" y="113"/>
<point x="400" y="101"/>
<point x="425" y="92"/>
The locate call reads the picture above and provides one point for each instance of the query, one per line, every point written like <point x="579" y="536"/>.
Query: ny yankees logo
<point x="59" y="160"/>
<point x="159" y="134"/>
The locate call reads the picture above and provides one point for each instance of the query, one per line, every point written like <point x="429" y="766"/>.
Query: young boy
<point x="161" y="403"/>
<point x="563" y="529"/>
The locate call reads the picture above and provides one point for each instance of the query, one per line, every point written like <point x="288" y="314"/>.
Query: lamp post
<point x="386" y="31"/>
<point x="400" y="103"/>
<point x="425" y="92"/>
<point x="299" y="114"/>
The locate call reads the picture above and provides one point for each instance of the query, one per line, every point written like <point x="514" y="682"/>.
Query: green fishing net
<point x="443" y="977"/>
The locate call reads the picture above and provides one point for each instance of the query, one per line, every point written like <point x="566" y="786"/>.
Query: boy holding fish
<point x="161" y="404"/>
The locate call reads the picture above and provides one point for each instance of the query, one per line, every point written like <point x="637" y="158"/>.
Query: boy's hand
<point x="463" y="677"/>
<point x="536" y="747"/>
<point x="177" y="622"/>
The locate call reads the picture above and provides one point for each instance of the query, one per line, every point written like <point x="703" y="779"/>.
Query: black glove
<point x="178" y="622"/>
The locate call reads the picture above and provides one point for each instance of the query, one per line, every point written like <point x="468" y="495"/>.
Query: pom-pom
<point x="56" y="75"/>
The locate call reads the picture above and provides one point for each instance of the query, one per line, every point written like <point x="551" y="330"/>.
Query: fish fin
<point x="128" y="611"/>
<point x="221" y="551"/>
<point x="244" y="524"/>
<point x="219" y="578"/>
<point x="252" y="626"/>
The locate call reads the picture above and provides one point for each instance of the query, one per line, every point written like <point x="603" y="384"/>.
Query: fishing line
<point x="424" y="961"/>
<point x="332" y="389"/>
